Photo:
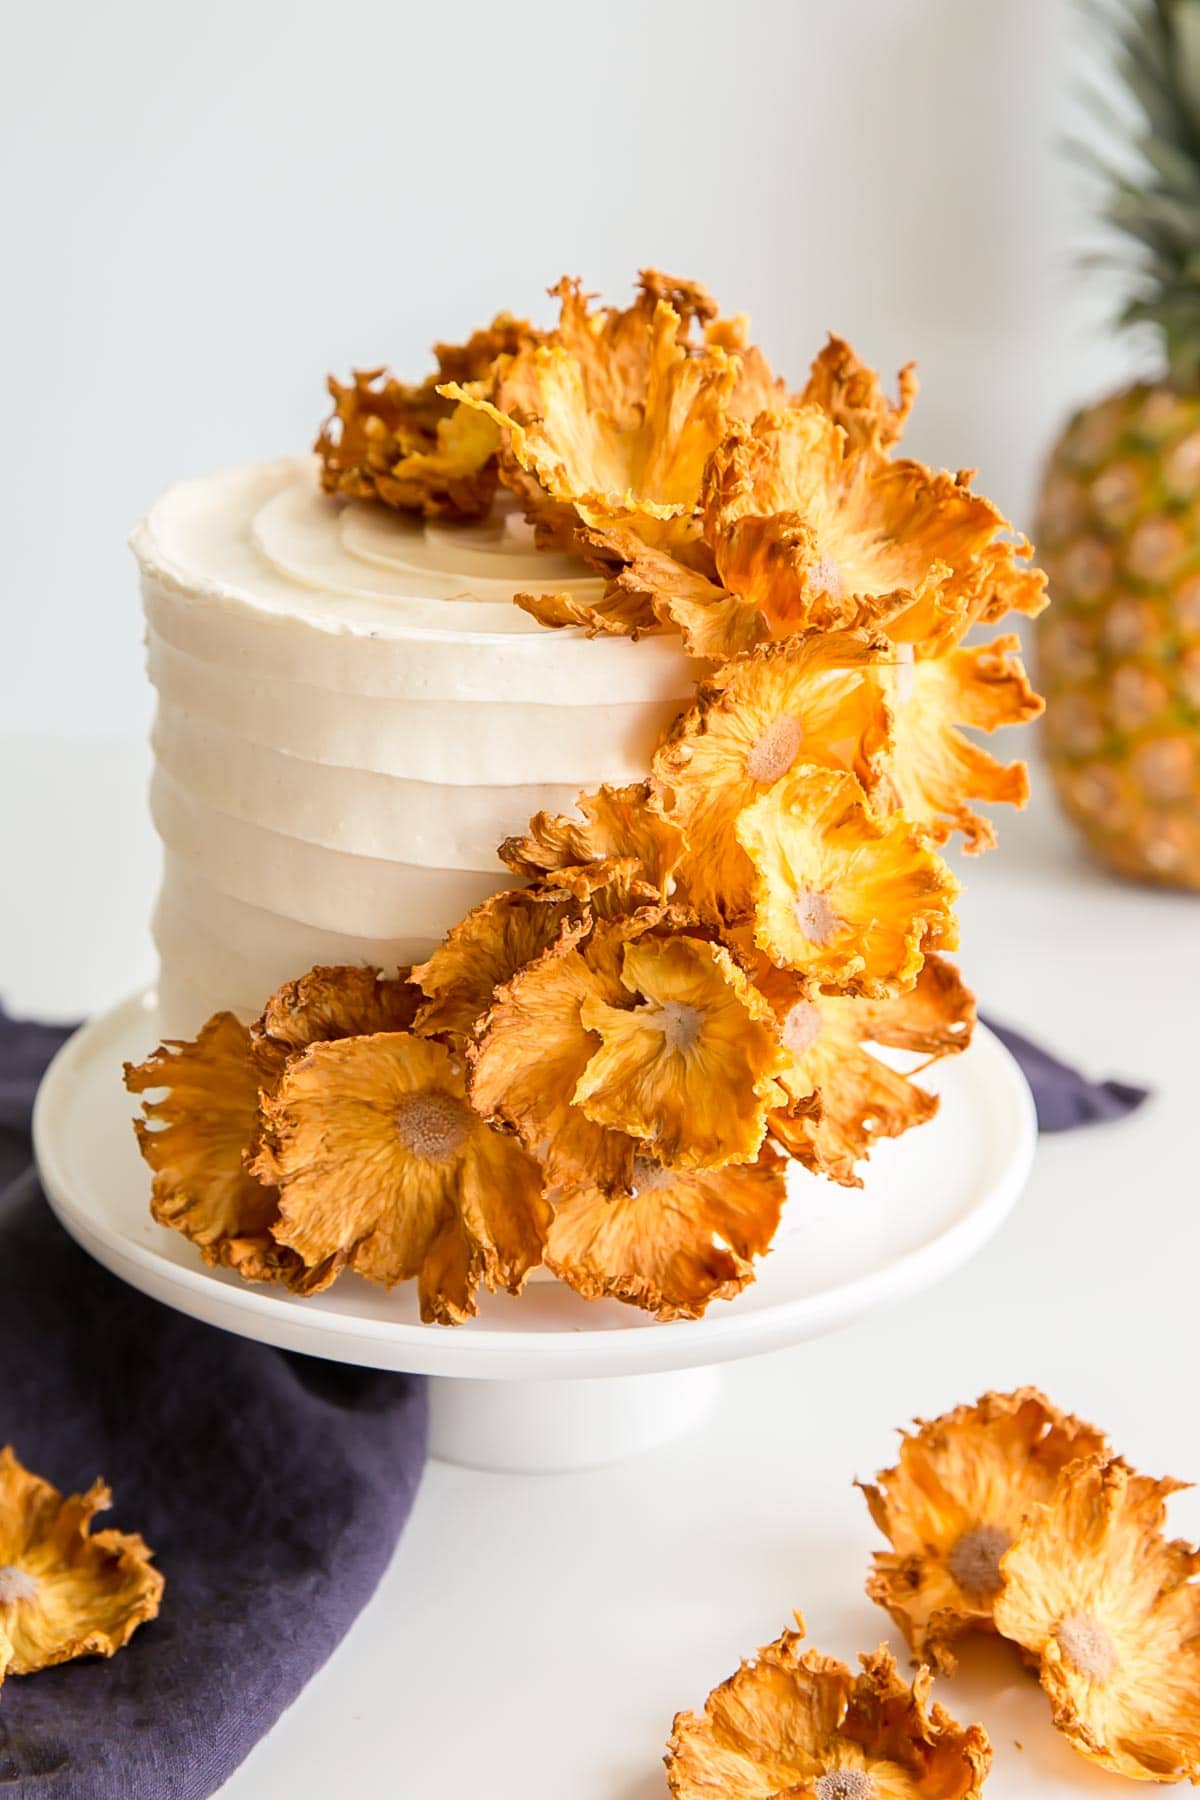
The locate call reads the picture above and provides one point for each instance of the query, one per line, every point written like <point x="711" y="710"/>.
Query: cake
<point x="552" y="775"/>
<point x="352" y="715"/>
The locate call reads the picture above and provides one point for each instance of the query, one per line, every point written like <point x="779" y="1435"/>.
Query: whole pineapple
<point x="1119" y="522"/>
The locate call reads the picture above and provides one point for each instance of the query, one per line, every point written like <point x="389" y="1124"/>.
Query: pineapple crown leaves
<point x="1156" y="58"/>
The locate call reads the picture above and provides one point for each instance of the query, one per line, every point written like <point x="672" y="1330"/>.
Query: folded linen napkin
<point x="272" y="1487"/>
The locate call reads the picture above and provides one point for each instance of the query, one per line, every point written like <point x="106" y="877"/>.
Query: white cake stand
<point x="550" y="1381"/>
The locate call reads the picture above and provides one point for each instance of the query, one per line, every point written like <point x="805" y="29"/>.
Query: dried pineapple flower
<point x="807" y="699"/>
<point x="328" y="1003"/>
<point x="851" y="394"/>
<point x="65" y="1590"/>
<point x="381" y="1164"/>
<point x="933" y="771"/>
<point x="616" y="823"/>
<point x="955" y="1502"/>
<point x="806" y="532"/>
<point x="806" y="526"/>
<point x="843" y="1099"/>
<point x="410" y="447"/>
<point x="532" y="1048"/>
<point x="851" y="900"/>
<point x="481" y="953"/>
<point x="795" y="1725"/>
<point x="616" y="438"/>
<point x="689" y="1069"/>
<point x="676" y="1242"/>
<point x="198" y="1137"/>
<point x="606" y="431"/>
<point x="1109" y="1606"/>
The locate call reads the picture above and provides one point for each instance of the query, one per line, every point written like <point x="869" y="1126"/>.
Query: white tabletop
<point x="534" y="1635"/>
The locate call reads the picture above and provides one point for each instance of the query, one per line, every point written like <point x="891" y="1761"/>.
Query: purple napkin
<point x="272" y="1487"/>
<point x="1064" y="1098"/>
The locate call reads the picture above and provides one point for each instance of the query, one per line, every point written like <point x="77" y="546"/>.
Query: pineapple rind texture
<point x="1119" y="649"/>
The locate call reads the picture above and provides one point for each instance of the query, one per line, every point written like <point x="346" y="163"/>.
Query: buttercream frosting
<point x="352" y="713"/>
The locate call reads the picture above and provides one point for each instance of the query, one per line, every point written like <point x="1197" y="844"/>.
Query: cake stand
<point x="549" y="1381"/>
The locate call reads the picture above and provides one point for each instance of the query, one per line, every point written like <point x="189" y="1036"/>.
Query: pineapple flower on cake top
<point x="607" y="426"/>
<point x="852" y="395"/>
<point x="841" y="1098"/>
<point x="65" y="1590"/>
<point x="1109" y="1608"/>
<point x="954" y="1503"/>
<point x="199" y="1134"/>
<point x="715" y="507"/>
<point x="409" y="446"/>
<point x="792" y="1724"/>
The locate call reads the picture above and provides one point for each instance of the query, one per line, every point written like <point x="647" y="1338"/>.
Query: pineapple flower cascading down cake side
<point x="607" y="897"/>
<point x="1119" y="520"/>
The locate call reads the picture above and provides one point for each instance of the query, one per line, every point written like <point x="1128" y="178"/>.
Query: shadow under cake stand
<point x="550" y="1381"/>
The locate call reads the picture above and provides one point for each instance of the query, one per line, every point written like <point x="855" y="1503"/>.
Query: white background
<point x="207" y="208"/>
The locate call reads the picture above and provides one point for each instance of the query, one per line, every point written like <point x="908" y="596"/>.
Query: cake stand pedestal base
<point x="538" y="1427"/>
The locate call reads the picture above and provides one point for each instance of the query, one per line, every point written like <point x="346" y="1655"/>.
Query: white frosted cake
<point x="352" y="714"/>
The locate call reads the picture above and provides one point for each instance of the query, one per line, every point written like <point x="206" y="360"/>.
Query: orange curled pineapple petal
<point x="531" y="1050"/>
<point x="673" y="1244"/>
<point x="714" y="623"/>
<point x="613" y="344"/>
<point x="934" y="771"/>
<point x="792" y="1724"/>
<point x="1110" y="1608"/>
<point x="381" y="1163"/>
<point x="842" y="1098"/>
<point x="852" y="395"/>
<point x="610" y="890"/>
<point x="614" y="822"/>
<point x="935" y="1018"/>
<point x="817" y="535"/>
<point x="640" y="465"/>
<point x="757" y="387"/>
<point x="619" y="612"/>
<point x="689" y="1069"/>
<point x="66" y="1590"/>
<point x="955" y="1502"/>
<point x="846" y="898"/>
<point x="196" y="1138"/>
<point x="811" y="529"/>
<point x="606" y="429"/>
<point x="330" y="1002"/>
<point x="482" y="952"/>
<point x="808" y="699"/>
<point x="407" y="445"/>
